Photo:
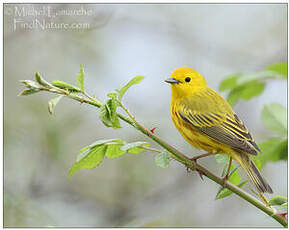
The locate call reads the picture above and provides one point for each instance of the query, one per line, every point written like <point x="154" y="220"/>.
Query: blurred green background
<point x="122" y="41"/>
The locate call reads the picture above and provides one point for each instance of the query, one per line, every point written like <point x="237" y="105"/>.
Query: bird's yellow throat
<point x="187" y="82"/>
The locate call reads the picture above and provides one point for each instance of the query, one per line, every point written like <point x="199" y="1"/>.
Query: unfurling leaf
<point x="123" y="89"/>
<point x="40" y="80"/>
<point x="31" y="84"/>
<point x="278" y="200"/>
<point x="52" y="103"/>
<point x="112" y="106"/>
<point x="274" y="116"/>
<point x="108" y="115"/>
<point x="80" y="78"/>
<point x="113" y="94"/>
<point x="103" y="115"/>
<point x="28" y="92"/>
<point x="162" y="160"/>
<point x="64" y="85"/>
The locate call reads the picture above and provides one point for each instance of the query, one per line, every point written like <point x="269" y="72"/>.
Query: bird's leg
<point x="229" y="169"/>
<point x="226" y="177"/>
<point x="200" y="156"/>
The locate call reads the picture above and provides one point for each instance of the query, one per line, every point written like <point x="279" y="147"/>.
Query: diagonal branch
<point x="177" y="155"/>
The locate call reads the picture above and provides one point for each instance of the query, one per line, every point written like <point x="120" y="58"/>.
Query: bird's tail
<point x="253" y="173"/>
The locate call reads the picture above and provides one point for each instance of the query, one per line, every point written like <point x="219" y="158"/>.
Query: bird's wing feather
<point x="215" y="118"/>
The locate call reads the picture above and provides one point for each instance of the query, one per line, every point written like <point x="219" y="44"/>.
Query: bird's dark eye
<point x="187" y="79"/>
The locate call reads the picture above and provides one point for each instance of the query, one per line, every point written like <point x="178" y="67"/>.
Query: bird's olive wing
<point x="222" y="126"/>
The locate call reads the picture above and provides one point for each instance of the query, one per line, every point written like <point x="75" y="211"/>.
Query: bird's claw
<point x="200" y="174"/>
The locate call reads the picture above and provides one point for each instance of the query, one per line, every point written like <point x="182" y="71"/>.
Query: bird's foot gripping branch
<point x="93" y="154"/>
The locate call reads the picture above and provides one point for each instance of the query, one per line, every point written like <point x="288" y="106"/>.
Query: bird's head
<point x="186" y="81"/>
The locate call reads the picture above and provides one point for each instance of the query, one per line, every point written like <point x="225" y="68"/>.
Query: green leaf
<point x="123" y="89"/>
<point x="64" y="85"/>
<point x="40" y="80"/>
<point x="135" y="147"/>
<point x="280" y="68"/>
<point x="91" y="155"/>
<point x="247" y="86"/>
<point x="52" y="103"/>
<point x="230" y="82"/>
<point x="107" y="141"/>
<point x="226" y="192"/>
<point x="112" y="105"/>
<point x="274" y="149"/>
<point x="28" y="92"/>
<point x="274" y="116"/>
<point x="252" y="89"/>
<point x="234" y="176"/>
<point x="113" y="147"/>
<point x="277" y="200"/>
<point x="92" y="158"/>
<point x="246" y="91"/>
<point x="114" y="150"/>
<point x="221" y="158"/>
<point x="233" y="96"/>
<point x="80" y="78"/>
<point x="257" y="76"/>
<point x="84" y="151"/>
<point x="162" y="160"/>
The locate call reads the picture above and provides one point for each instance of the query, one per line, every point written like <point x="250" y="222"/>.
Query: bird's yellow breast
<point x="195" y="137"/>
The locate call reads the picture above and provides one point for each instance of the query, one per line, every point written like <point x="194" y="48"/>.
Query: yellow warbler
<point x="207" y="122"/>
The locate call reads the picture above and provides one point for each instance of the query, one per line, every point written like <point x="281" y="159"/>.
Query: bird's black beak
<point x="172" y="81"/>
